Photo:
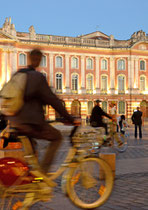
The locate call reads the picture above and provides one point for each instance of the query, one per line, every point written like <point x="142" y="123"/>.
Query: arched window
<point x="74" y="82"/>
<point x="121" y="64"/>
<point x="43" y="61"/>
<point x="121" y="84"/>
<point x="121" y="107"/>
<point x="59" y="62"/>
<point x="89" y="82"/>
<point x="142" y="83"/>
<point x="89" y="63"/>
<point x="104" y="64"/>
<point x="142" y="65"/>
<point x="22" y="59"/>
<point x="74" y="63"/>
<point x="58" y="82"/>
<point x="104" y="106"/>
<point x="103" y="83"/>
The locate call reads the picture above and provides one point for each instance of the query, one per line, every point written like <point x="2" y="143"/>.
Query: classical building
<point x="84" y="68"/>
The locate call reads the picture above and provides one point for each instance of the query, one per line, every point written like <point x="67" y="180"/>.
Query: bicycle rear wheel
<point x="12" y="201"/>
<point x="90" y="183"/>
<point x="122" y="146"/>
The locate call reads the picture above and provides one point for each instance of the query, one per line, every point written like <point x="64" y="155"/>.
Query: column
<point x="112" y="75"/>
<point x="4" y="67"/>
<point x="67" y="82"/>
<point x="136" y="73"/>
<point x="51" y="70"/>
<point x="13" y="62"/>
<point x="129" y="73"/>
<point x="132" y="72"/>
<point x="97" y="75"/>
<point x="83" y="89"/>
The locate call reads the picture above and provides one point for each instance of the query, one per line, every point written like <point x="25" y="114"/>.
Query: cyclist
<point x="97" y="116"/>
<point x="30" y="120"/>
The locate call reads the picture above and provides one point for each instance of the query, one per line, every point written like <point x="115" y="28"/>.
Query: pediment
<point x="96" y="35"/>
<point x="141" y="45"/>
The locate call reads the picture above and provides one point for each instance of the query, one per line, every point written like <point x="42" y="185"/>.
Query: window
<point x="121" y="84"/>
<point x="104" y="106"/>
<point x="89" y="82"/>
<point x="89" y="63"/>
<point x="142" y="83"/>
<point x="74" y="63"/>
<point x="22" y="59"/>
<point x="44" y="73"/>
<point x="142" y="65"/>
<point x="75" y="82"/>
<point x="43" y="61"/>
<point x="104" y="83"/>
<point x="89" y="107"/>
<point x="59" y="62"/>
<point x="121" y="64"/>
<point x="104" y="64"/>
<point x="59" y="82"/>
<point x="121" y="107"/>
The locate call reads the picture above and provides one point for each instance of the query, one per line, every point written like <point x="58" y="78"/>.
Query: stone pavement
<point x="130" y="190"/>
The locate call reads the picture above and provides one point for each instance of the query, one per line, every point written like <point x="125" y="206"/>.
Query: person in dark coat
<point x="30" y="120"/>
<point x="137" y="120"/>
<point x="96" y="118"/>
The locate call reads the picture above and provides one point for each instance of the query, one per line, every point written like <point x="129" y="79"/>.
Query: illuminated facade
<point x="84" y="68"/>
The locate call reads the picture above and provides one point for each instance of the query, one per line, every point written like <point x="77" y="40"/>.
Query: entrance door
<point x="75" y="108"/>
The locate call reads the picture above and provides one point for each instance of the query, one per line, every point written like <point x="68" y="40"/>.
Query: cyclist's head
<point x="35" y="57"/>
<point x="97" y="102"/>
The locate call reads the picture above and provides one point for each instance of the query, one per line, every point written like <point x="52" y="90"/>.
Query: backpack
<point x="12" y="94"/>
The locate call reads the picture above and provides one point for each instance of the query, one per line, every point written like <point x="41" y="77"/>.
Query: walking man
<point x="137" y="120"/>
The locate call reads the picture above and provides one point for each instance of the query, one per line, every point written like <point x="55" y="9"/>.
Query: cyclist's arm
<point x="48" y="97"/>
<point x="106" y="115"/>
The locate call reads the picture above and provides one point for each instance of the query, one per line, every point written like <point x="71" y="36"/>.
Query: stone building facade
<point x="84" y="68"/>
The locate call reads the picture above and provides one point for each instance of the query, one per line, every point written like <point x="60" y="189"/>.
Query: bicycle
<point x="113" y="139"/>
<point x="27" y="185"/>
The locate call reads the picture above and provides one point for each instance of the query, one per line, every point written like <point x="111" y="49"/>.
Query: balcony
<point x="58" y="91"/>
<point x="89" y="91"/>
<point x="74" y="91"/>
<point x="121" y="92"/>
<point x="103" y="92"/>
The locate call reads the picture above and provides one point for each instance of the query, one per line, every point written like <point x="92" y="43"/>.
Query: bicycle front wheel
<point x="120" y="142"/>
<point x="90" y="183"/>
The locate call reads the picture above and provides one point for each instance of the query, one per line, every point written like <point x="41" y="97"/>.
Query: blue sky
<point x="75" y="17"/>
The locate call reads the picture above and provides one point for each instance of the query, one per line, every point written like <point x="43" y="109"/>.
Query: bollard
<point x="110" y="158"/>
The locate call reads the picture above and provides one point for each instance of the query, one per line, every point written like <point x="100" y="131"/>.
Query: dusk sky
<point x="77" y="17"/>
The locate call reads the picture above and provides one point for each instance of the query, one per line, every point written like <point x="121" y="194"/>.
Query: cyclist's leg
<point x="53" y="135"/>
<point x="104" y="125"/>
<point x="135" y="131"/>
<point x="46" y="132"/>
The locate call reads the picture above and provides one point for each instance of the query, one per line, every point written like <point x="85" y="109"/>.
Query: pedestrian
<point x="137" y="121"/>
<point x="118" y="120"/>
<point x="87" y="120"/>
<point x="123" y="124"/>
<point x="96" y="118"/>
<point x="113" y="110"/>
